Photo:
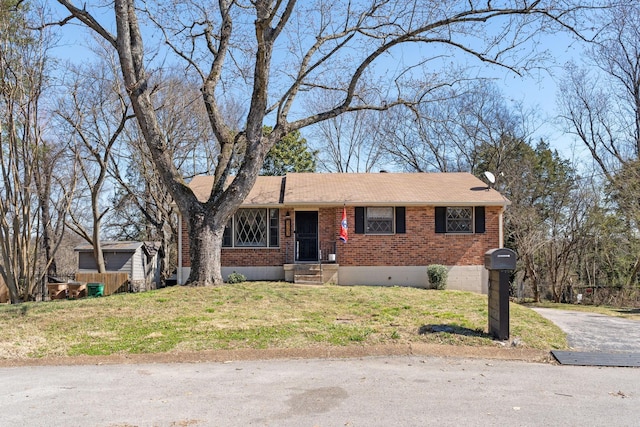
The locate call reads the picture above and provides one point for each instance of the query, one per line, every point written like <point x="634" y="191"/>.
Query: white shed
<point x="139" y="259"/>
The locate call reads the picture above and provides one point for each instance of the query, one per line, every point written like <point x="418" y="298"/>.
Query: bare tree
<point x="274" y="54"/>
<point x="349" y="142"/>
<point x="600" y="104"/>
<point x="601" y="101"/>
<point x="94" y="114"/>
<point x="183" y="121"/>
<point x="567" y="225"/>
<point x="143" y="209"/>
<point x="446" y="131"/>
<point x="26" y="159"/>
<point x="55" y="183"/>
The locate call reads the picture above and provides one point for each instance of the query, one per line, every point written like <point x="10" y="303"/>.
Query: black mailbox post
<point x="500" y="262"/>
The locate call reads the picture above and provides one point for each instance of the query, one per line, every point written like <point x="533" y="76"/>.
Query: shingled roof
<point x="265" y="192"/>
<point x="397" y="189"/>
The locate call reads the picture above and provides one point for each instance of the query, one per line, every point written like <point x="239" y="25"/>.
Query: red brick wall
<point x="186" y="252"/>
<point x="420" y="245"/>
<point x="328" y="225"/>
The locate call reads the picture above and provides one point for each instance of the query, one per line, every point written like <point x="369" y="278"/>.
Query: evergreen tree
<point x="290" y="154"/>
<point x="544" y="222"/>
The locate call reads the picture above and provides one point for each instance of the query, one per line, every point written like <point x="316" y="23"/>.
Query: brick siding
<point x="420" y="245"/>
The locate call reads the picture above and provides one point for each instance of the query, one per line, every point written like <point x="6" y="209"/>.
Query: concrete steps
<point x="308" y="274"/>
<point x="314" y="274"/>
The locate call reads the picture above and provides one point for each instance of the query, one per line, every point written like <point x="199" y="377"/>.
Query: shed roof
<point x="330" y="189"/>
<point x="111" y="246"/>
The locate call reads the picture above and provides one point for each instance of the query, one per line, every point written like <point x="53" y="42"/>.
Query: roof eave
<point x="393" y="203"/>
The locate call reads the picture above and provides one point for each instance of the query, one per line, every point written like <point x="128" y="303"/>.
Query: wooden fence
<point x="113" y="282"/>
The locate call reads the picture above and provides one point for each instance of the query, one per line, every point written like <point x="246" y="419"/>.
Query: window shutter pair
<point x="401" y="227"/>
<point x="441" y="219"/>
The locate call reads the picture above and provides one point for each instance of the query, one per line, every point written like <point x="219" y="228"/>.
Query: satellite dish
<point x="490" y="177"/>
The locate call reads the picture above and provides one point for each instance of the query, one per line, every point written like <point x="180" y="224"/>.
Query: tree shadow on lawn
<point x="452" y="329"/>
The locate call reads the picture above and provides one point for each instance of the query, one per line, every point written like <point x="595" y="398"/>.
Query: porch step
<point x="308" y="274"/>
<point x="308" y="279"/>
<point x="311" y="274"/>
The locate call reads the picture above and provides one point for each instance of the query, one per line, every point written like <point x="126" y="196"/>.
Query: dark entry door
<point x="306" y="236"/>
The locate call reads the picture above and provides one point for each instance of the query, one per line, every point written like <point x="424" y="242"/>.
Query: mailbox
<point x="500" y="259"/>
<point x="499" y="262"/>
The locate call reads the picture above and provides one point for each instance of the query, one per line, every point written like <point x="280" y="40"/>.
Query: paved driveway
<point x="596" y="332"/>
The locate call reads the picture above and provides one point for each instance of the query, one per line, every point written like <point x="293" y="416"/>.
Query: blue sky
<point x="540" y="91"/>
<point x="537" y="90"/>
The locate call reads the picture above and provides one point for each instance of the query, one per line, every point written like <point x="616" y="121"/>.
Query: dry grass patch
<point x="259" y="315"/>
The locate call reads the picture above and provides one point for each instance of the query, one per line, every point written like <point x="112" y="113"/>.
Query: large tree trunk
<point x="205" y="245"/>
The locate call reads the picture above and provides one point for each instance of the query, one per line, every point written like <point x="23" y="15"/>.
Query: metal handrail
<point x="325" y="250"/>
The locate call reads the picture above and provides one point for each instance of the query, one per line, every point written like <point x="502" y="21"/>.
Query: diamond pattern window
<point x="460" y="220"/>
<point x="256" y="228"/>
<point x="379" y="220"/>
<point x="251" y="227"/>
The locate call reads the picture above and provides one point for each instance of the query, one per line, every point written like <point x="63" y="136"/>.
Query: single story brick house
<point x="288" y="228"/>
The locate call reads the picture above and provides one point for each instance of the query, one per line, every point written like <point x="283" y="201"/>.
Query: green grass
<point x="258" y="315"/>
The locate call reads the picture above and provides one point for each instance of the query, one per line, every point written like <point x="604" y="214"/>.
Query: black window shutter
<point x="359" y="220"/>
<point x="441" y="220"/>
<point x="479" y="219"/>
<point x="401" y="226"/>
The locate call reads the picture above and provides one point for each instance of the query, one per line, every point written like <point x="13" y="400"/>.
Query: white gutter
<point x="500" y="228"/>
<point x="330" y="204"/>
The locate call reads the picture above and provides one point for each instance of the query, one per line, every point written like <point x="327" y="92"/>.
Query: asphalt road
<point x="596" y="332"/>
<point x="370" y="391"/>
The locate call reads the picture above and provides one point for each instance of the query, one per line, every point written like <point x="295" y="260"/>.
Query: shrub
<point x="437" y="275"/>
<point x="236" y="278"/>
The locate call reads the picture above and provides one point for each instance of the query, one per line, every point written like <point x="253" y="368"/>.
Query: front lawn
<point x="259" y="315"/>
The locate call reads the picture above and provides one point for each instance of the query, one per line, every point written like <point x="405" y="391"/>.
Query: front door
<point x="306" y="236"/>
